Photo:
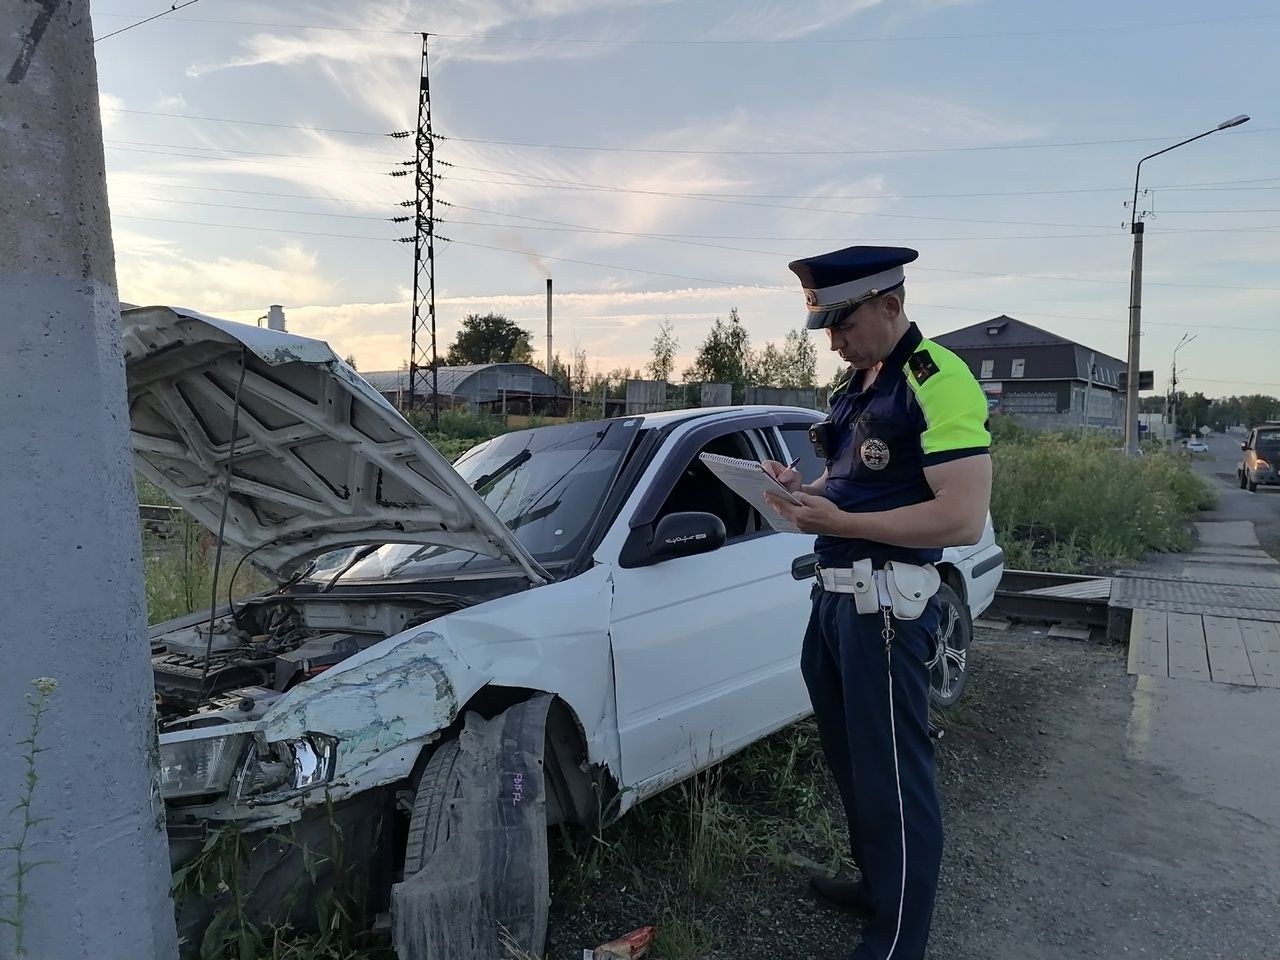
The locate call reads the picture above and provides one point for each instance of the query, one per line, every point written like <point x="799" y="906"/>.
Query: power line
<point x="838" y="41"/>
<point x="612" y="266"/>
<point x="725" y="41"/>
<point x="235" y="206"/>
<point x="553" y="183"/>
<point x="252" y="123"/>
<point x="674" y="276"/>
<point x="164" y="13"/>
<point x="224" y="159"/>
<point x="240" y="226"/>
<point x="265" y="193"/>
<point x="824" y="153"/>
<point x="1248" y="383"/>
<point x="752" y="196"/>
<point x="256" y="153"/>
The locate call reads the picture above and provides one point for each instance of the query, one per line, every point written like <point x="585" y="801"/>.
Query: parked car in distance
<point x="564" y="621"/>
<point x="1260" y="463"/>
<point x="1197" y="446"/>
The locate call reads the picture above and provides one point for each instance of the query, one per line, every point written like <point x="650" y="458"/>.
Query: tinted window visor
<point x="546" y="485"/>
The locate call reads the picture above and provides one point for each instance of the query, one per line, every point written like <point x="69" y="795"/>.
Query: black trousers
<point x="872" y="708"/>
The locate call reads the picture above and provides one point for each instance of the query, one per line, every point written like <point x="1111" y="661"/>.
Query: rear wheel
<point x="1240" y="477"/>
<point x="949" y="668"/>
<point x="1253" y="486"/>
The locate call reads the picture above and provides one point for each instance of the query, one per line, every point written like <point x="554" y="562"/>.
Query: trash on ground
<point x="633" y="946"/>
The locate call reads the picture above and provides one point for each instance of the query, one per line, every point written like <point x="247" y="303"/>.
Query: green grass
<point x="179" y="571"/>
<point x="1073" y="502"/>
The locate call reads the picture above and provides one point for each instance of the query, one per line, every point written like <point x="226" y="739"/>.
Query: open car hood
<point x="321" y="460"/>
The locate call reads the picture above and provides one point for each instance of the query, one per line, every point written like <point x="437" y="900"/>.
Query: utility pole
<point x="422" y="330"/>
<point x="91" y="878"/>
<point x="1135" y="289"/>
<point x="1088" y="391"/>
<point x="1135" y="340"/>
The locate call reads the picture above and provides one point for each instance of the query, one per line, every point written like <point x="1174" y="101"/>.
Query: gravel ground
<point x="999" y="743"/>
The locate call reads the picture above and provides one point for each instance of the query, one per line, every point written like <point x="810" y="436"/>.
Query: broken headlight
<point x="199" y="765"/>
<point x="280" y="771"/>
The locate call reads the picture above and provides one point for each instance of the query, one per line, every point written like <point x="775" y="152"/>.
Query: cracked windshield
<point x="546" y="485"/>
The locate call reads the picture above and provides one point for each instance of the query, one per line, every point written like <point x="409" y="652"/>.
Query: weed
<point x="1072" y="502"/>
<point x="15" y="919"/>
<point x="179" y="571"/>
<point x="217" y="874"/>
<point x="680" y="937"/>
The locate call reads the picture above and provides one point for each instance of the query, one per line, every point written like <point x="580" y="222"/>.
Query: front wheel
<point x="1253" y="487"/>
<point x="949" y="668"/>
<point x="1240" y="476"/>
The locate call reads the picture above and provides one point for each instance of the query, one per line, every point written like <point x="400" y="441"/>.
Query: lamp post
<point x="1135" y="291"/>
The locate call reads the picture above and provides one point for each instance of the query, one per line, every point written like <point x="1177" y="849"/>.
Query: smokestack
<point x="549" y="371"/>
<point x="275" y="317"/>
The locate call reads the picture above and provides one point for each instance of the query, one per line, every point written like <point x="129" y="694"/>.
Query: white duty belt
<point x="903" y="587"/>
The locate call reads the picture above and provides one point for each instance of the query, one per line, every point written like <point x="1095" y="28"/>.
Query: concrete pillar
<point x="70" y="567"/>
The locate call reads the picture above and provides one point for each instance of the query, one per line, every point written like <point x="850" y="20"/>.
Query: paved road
<point x="1263" y="507"/>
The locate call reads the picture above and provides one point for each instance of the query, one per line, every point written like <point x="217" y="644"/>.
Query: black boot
<point x="841" y="892"/>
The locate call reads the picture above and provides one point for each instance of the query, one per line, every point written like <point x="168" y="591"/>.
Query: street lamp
<point x="1135" y="291"/>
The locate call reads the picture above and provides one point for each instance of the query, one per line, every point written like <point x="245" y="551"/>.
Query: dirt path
<point x="1084" y="819"/>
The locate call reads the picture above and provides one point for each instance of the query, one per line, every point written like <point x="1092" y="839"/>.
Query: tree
<point x="794" y="365"/>
<point x="351" y="361"/>
<point x="491" y="338"/>
<point x="725" y="356"/>
<point x="770" y="367"/>
<point x="664" y="352"/>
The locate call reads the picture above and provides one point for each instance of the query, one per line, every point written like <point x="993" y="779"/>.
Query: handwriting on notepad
<point x="748" y="479"/>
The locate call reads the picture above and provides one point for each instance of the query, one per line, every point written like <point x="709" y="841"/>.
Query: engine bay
<point x="262" y="651"/>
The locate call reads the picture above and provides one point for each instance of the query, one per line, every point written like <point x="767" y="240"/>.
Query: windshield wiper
<point x="503" y="470"/>
<point x="359" y="555"/>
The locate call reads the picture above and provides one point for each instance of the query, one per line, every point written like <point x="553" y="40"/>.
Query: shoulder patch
<point x="922" y="366"/>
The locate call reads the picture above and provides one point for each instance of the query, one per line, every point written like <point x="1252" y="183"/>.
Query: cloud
<point x="374" y="29"/>
<point x="782" y="20"/>
<point x="108" y="105"/>
<point x="153" y="271"/>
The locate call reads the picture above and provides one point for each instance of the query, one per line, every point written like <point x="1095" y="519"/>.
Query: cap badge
<point x="811" y="297"/>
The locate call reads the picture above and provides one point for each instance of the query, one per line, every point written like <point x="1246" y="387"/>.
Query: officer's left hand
<point x="815" y="515"/>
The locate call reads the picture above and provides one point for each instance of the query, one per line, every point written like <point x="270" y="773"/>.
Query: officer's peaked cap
<point x="836" y="283"/>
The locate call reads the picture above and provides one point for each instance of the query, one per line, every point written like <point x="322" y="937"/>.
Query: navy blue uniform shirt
<point x="924" y="408"/>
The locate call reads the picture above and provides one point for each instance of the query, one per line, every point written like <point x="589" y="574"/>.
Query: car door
<point x="706" y="648"/>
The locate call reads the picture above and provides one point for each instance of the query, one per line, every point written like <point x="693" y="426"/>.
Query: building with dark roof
<point x="1046" y="381"/>
<point x="516" y="388"/>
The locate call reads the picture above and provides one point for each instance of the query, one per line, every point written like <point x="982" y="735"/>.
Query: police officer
<point x="908" y="472"/>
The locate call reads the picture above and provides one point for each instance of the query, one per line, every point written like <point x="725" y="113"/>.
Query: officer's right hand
<point x="783" y="474"/>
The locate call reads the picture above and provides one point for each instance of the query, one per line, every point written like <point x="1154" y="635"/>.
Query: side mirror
<point x="1245" y="445"/>
<point x="686" y="534"/>
<point x="804" y="568"/>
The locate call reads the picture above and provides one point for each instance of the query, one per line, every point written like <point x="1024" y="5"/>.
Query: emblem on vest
<point x="874" y="453"/>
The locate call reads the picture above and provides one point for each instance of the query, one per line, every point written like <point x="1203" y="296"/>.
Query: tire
<point x="949" y="668"/>
<point x="429" y="822"/>
<point x="1240" y="477"/>
<point x="1253" y="487"/>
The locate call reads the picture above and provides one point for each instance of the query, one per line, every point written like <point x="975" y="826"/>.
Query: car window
<point x="811" y="465"/>
<point x="700" y="491"/>
<point x="545" y="484"/>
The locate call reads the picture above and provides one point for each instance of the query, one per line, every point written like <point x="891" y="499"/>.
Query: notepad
<point x="747" y="478"/>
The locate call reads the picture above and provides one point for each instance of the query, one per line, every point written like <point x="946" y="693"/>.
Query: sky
<point x="668" y="158"/>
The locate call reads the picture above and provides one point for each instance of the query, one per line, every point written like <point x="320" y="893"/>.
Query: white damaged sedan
<point x="457" y="655"/>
